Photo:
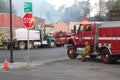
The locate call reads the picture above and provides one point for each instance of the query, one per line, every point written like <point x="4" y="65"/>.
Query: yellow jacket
<point x="87" y="48"/>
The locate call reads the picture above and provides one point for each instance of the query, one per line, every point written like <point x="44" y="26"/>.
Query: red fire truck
<point x="103" y="37"/>
<point x="61" y="38"/>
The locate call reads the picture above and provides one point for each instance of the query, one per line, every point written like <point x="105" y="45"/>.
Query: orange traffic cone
<point x="6" y="66"/>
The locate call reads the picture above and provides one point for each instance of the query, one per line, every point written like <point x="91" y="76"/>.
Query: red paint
<point x="61" y="38"/>
<point x="28" y="20"/>
<point x="5" y="21"/>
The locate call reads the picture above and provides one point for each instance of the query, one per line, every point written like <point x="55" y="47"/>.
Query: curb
<point x="18" y="65"/>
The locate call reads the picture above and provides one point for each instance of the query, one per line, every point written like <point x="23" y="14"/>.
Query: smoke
<point x="76" y="12"/>
<point x="4" y="7"/>
<point x="43" y="9"/>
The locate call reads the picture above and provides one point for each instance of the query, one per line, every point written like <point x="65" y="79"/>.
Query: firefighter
<point x="86" y="51"/>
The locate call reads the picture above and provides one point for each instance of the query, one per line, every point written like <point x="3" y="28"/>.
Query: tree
<point x="105" y="7"/>
<point x="76" y="12"/>
<point x="116" y="4"/>
<point x="4" y="6"/>
<point x="109" y="4"/>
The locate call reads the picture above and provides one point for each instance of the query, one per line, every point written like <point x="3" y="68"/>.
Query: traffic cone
<point x="6" y="66"/>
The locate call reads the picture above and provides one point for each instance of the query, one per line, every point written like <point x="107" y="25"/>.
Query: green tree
<point x="4" y="6"/>
<point x="116" y="4"/>
<point x="108" y="5"/>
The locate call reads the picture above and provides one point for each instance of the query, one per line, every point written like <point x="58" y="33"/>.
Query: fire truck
<point x="103" y="37"/>
<point x="61" y="38"/>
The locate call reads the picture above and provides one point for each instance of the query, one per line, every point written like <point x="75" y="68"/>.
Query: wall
<point x="60" y="26"/>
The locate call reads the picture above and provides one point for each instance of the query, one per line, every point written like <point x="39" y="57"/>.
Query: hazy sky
<point x="55" y="3"/>
<point x="58" y="3"/>
<point x="68" y="3"/>
<point x="47" y="9"/>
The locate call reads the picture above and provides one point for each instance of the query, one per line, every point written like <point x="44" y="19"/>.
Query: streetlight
<point x="11" y="45"/>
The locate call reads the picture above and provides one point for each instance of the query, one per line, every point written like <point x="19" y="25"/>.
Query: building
<point x="17" y="22"/>
<point x="49" y="28"/>
<point x="115" y="14"/>
<point x="60" y="26"/>
<point x="39" y="22"/>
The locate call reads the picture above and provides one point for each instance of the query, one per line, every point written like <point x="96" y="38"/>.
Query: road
<point x="60" y="68"/>
<point x="36" y="54"/>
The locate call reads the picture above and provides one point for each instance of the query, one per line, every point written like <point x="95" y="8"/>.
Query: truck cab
<point x="46" y="38"/>
<point x="84" y="33"/>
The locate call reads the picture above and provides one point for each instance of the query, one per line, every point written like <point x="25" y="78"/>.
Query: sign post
<point x="28" y="21"/>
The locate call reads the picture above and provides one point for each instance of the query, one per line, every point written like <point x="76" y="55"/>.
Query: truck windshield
<point x="80" y="29"/>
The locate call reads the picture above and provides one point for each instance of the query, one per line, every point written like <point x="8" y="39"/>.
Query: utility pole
<point x="11" y="45"/>
<point x="89" y="9"/>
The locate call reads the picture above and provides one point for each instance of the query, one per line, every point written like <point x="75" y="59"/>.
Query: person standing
<point x="86" y="51"/>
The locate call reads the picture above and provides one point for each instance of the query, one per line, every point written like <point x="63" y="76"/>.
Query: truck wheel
<point x="21" y="45"/>
<point x="52" y="44"/>
<point x="71" y="52"/>
<point x="106" y="57"/>
<point x="30" y="45"/>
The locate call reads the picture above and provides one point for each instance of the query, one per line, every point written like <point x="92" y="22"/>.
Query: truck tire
<point x="21" y="45"/>
<point x="52" y="44"/>
<point x="106" y="57"/>
<point x="30" y="45"/>
<point x="71" y="52"/>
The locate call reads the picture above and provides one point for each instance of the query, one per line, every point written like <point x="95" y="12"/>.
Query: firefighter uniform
<point x="86" y="51"/>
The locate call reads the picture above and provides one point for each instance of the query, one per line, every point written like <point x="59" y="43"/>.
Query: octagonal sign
<point x="28" y="21"/>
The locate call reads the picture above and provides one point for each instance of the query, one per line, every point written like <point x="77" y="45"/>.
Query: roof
<point x="5" y="21"/>
<point x="110" y="24"/>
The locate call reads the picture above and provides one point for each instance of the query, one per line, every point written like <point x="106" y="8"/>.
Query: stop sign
<point x="28" y="20"/>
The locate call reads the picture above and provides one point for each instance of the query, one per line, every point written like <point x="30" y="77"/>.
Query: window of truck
<point x="80" y="29"/>
<point x="88" y="27"/>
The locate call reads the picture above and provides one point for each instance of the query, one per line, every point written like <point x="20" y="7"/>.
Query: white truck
<point x="36" y="38"/>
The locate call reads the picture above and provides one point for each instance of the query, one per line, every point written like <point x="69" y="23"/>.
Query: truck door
<point x="80" y="34"/>
<point x="89" y="34"/>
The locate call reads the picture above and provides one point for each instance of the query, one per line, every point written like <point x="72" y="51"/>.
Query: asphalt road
<point x="66" y="70"/>
<point x="37" y="54"/>
<point x="60" y="68"/>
